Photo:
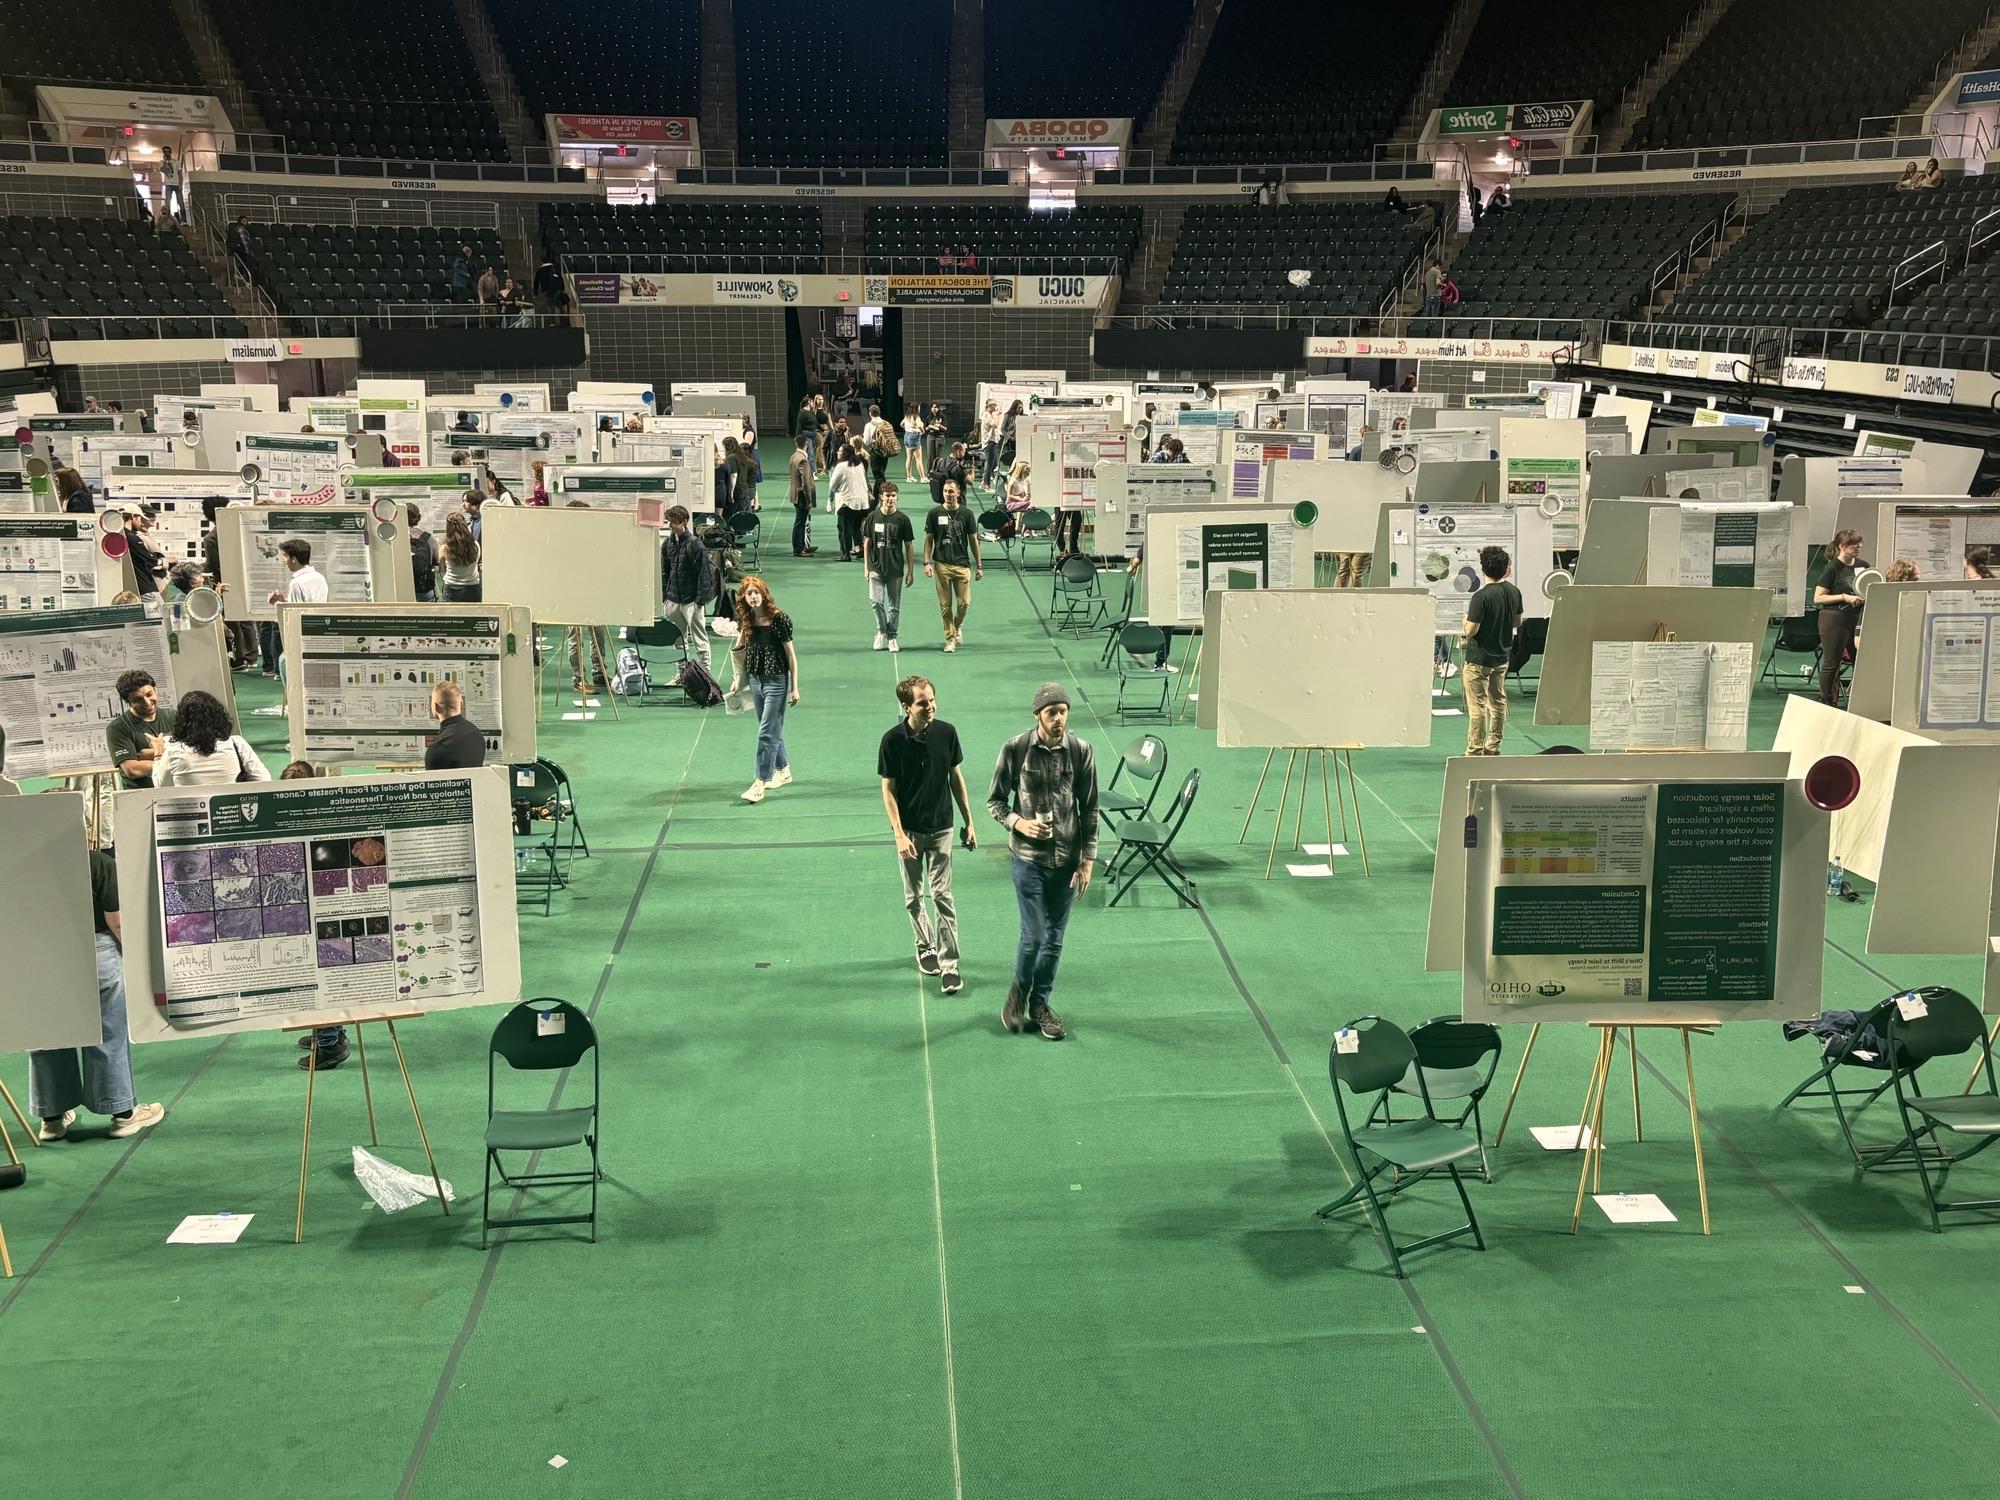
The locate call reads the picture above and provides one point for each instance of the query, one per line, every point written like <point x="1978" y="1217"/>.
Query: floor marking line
<point x="944" y="1278"/>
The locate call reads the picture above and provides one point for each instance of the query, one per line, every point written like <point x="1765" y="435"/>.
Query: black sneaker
<point x="952" y="983"/>
<point x="1013" y="1015"/>
<point x="1050" y="1023"/>
<point x="329" y="1057"/>
<point x="927" y="963"/>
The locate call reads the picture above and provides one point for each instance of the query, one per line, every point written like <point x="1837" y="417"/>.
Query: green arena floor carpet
<point x="859" y="1242"/>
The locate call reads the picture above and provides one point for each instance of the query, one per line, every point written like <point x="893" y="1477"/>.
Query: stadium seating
<point x="1581" y="256"/>
<point x="384" y="78"/>
<point x="121" y="270"/>
<point x="1239" y="254"/>
<point x="1107" y="59"/>
<point x="1760" y="75"/>
<point x="136" y="42"/>
<point x="1563" y="49"/>
<point x="1094" y="240"/>
<point x="1948" y="324"/>
<point x="621" y="57"/>
<point x="340" y="271"/>
<point x="1823" y="257"/>
<point x="691" y="235"/>
<point x="1285" y="82"/>
<point x="820" y="84"/>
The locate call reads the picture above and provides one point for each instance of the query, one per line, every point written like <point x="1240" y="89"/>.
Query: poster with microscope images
<point x="58" y="676"/>
<point x="359" y="896"/>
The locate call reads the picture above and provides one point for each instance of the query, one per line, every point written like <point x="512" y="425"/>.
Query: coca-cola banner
<point x="1556" y="116"/>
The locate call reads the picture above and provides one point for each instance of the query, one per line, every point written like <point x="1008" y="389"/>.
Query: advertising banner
<point x="918" y="291"/>
<point x="1475" y="119"/>
<point x="597" y="288"/>
<point x="129" y="106"/>
<point x="1374" y="347"/>
<point x="1085" y="130"/>
<point x="767" y="291"/>
<point x="1552" y="116"/>
<point x="1979" y="88"/>
<point x="626" y="130"/>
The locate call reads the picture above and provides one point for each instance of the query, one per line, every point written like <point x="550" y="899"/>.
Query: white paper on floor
<point x="1320" y="849"/>
<point x="1633" y="1208"/>
<point x="1307" y="871"/>
<point x="558" y="1462"/>
<point x="1559" y="1137"/>
<point x="579" y="716"/>
<point x="392" y="1187"/>
<point x="210" y="1229"/>
<point x="1447" y="713"/>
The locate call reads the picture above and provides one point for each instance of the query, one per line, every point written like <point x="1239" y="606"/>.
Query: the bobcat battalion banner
<point x="1081" y="130"/>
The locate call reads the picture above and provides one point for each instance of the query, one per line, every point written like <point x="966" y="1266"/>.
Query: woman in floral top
<point x="765" y="657"/>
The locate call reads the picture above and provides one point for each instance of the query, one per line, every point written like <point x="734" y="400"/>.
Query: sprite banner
<point x="1475" y="119"/>
<point x="1547" y="116"/>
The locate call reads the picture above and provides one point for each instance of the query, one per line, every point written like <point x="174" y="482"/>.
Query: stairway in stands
<point x="1963" y="58"/>
<point x="1157" y="139"/>
<point x="527" y="138"/>
<point x="1613" y="134"/>
<point x="1429" y="92"/>
<point x="965" y="108"/>
<point x="218" y="70"/>
<point x="1159" y="232"/>
<point x="718" y="81"/>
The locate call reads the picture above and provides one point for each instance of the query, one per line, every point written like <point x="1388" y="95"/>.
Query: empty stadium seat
<point x="1771" y="71"/>
<point x="346" y="271"/>
<point x="1284" y="82"/>
<point x="1094" y="240"/>
<point x="1112" y="57"/>
<point x="123" y="270"/>
<point x="821" y="84"/>
<point x="1239" y="253"/>
<point x="383" y="78"/>
<point x="1563" y="49"/>
<point x="621" y="57"/>
<point x="135" y="42"/>
<point x="699" y="236"/>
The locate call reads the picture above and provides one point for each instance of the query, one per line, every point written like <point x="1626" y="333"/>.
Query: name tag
<point x="880" y="529"/>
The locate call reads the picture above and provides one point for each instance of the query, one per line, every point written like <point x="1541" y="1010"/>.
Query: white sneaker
<point x="950" y="643"/>
<point x="782" y="778"/>
<point x="894" y="647"/>
<point x="755" y="793"/>
<point x="145" y="1117"/>
<point x="880" y="641"/>
<point x="55" y="1130"/>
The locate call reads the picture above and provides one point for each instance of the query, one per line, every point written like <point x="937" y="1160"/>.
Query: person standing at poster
<point x="137" y="738"/>
<point x="951" y="556"/>
<point x="919" y="762"/>
<point x="1839" y="600"/>
<point x="97" y="1078"/>
<point x="766" y="659"/>
<point x="889" y="563"/>
<point x="1045" y="792"/>
<point x="1492" y="615"/>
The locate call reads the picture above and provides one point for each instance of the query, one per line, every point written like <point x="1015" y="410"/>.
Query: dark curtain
<point x="795" y="375"/>
<point x="892" y="363"/>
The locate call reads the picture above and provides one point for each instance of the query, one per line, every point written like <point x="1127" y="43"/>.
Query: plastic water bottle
<point x="1836" y="873"/>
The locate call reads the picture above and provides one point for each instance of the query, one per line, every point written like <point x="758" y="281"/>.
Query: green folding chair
<point x="1369" y="1057"/>
<point x="1075" y="603"/>
<point x="1865" y="1049"/>
<point x="1146" y="845"/>
<point x="537" y="829"/>
<point x="1035" y="530"/>
<point x="562" y="808"/>
<point x="1141" y="664"/>
<point x="1144" y="760"/>
<point x="1950" y="1026"/>
<point x="543" y="1035"/>
<point x="1456" y="1061"/>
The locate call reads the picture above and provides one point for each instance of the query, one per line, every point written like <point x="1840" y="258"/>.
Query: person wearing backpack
<point x="423" y="555"/>
<point x="688" y="581"/>
<point x="879" y="441"/>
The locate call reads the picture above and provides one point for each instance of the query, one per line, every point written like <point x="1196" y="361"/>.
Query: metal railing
<point x="121" y="204"/>
<point x="1918" y="266"/>
<point x="1921" y="348"/>
<point x="1984" y="228"/>
<point x="405" y="212"/>
<point x="669" y="263"/>
<point x="137" y="326"/>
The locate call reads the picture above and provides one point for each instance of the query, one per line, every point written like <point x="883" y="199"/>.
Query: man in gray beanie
<point x="1045" y="791"/>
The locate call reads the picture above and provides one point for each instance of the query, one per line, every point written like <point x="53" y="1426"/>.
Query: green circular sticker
<point x="1304" y="513"/>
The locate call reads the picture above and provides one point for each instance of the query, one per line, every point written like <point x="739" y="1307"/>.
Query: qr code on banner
<point x="1632" y="989"/>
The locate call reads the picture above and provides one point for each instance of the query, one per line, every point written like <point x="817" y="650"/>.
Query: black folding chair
<point x="1144" y="844"/>
<point x="1798" y="635"/>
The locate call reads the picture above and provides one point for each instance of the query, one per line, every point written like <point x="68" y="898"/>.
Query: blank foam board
<point x="1633" y="411"/>
<point x="50" y="998"/>
<point x="1457" y="484"/>
<point x="1445" y="947"/>
<point x="1350" y="497"/>
<point x="1810" y="730"/>
<point x="1303" y="668"/>
<point x="1583" y="614"/>
<point x="572" y="567"/>
<point x="201" y="661"/>
<point x="1931" y="893"/>
<point x="1617" y="540"/>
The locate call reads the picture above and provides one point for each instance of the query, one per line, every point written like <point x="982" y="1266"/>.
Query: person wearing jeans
<point x="96" y="1078"/>
<point x="1492" y="615"/>
<point x="684" y="581"/>
<point x="766" y="659"/>
<point x="1045" y="792"/>
<point x="889" y="562"/>
<point x="918" y="762"/>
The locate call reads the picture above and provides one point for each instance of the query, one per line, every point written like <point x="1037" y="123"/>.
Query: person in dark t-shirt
<point x="919" y="764"/>
<point x="1492" y="615"/>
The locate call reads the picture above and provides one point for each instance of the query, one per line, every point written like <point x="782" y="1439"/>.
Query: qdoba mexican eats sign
<point x="1383" y="348"/>
<point x="1085" y="131"/>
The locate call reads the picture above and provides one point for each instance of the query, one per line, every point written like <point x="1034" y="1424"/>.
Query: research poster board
<point x="521" y="396"/>
<point x="46" y="924"/>
<point x="436" y="493"/>
<point x="508" y="455"/>
<point x="703" y="435"/>
<point x="1252" y="452"/>
<point x="1949" y="468"/>
<point x="573" y="567"/>
<point x="1436" y="548"/>
<point x="1115" y="396"/>
<point x="1824" y="485"/>
<point x="185" y="413"/>
<point x="1945" y="539"/>
<point x="1931" y="894"/>
<point x="599" y="401"/>
<point x="1318" y="668"/>
<point x="1064" y="450"/>
<point x="296" y="468"/>
<point x="1349" y="496"/>
<point x="628" y="487"/>
<point x="1191" y="550"/>
<point x="338" y="415"/>
<point x="1605" y="437"/>
<point x="1670" y="695"/>
<point x="364" y="559"/>
<point x="398" y="421"/>
<point x="1732" y="486"/>
<point x="1391" y="415"/>
<point x="1634" y="412"/>
<point x="1881" y="652"/>
<point x="293" y="903"/>
<point x="15" y="496"/>
<point x="96" y="456"/>
<point x="57" y="674"/>
<point x="1126" y="492"/>
<point x="1946" y="677"/>
<point x="561" y="438"/>
<point x="358" y="688"/>
<point x="1584" y="614"/>
<point x="1561" y="399"/>
<point x="1336" y="417"/>
<point x="1690" y="902"/>
<point x="1445" y="943"/>
<point x="1541" y="464"/>
<point x="176" y="497"/>
<point x="52" y="563"/>
<point x="57" y="434"/>
<point x="1204" y="434"/>
<point x="1744" y="545"/>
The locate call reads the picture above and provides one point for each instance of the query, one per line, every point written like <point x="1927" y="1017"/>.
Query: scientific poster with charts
<point x="506" y="454"/>
<point x="1448" y="539"/>
<point x="59" y="433"/>
<point x="399" y="422"/>
<point x="1556" y="484"/>
<point x="1250" y="452"/>
<point x="48" y="563"/>
<point x="365" y="678"/>
<point x="14" y="492"/>
<point x="1143" y="486"/>
<point x="182" y="413"/>
<point x="97" y="456"/>
<point x="1736" y="546"/>
<point x="1083" y="449"/>
<point x="57" y="675"/>
<point x="1340" y="418"/>
<point x="1230" y="555"/>
<point x="298" y="468"/>
<point x="1670" y="695"/>
<point x="436" y="493"/>
<point x="339" y="542"/>
<point x="1201" y="433"/>
<point x="1958" y="686"/>
<point x="559" y="436"/>
<point x="284" y="898"/>
<point x="1939" y="541"/>
<point x="1746" y="486"/>
<point x="176" y="497"/>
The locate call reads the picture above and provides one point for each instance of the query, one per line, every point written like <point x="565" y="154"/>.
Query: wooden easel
<point x="1520" y="1070"/>
<point x="368" y="1097"/>
<point x="547" y="660"/>
<point x="1591" y="1178"/>
<point x="7" y="1261"/>
<point x="1343" y="756"/>
<point x="1190" y="667"/>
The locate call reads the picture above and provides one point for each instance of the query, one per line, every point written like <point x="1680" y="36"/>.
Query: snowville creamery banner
<point x="1085" y="130"/>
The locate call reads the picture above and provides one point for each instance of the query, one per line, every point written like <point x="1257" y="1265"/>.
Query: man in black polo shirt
<point x="460" y="744"/>
<point x="919" y="766"/>
<point x="951" y="556"/>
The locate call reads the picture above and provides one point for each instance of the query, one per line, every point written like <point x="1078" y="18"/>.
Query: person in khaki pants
<point x="1353" y="569"/>
<point x="1492" y="615"/>
<point x="951" y="556"/>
